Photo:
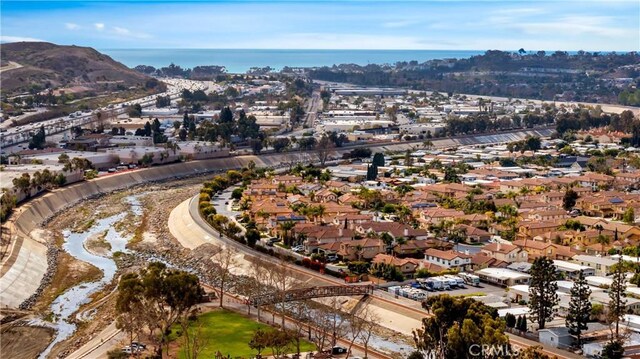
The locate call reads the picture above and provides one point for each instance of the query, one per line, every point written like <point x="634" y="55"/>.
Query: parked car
<point x="338" y="350"/>
<point x="298" y="249"/>
<point x="138" y="345"/>
<point x="332" y="258"/>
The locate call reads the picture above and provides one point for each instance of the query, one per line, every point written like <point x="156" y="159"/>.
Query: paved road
<point x="314" y="104"/>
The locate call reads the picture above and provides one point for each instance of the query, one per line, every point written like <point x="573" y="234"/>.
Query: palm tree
<point x="603" y="240"/>
<point x="403" y="212"/>
<point x="599" y="228"/>
<point x="387" y="239"/>
<point x="285" y="227"/>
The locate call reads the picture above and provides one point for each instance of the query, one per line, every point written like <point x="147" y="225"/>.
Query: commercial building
<point x="502" y="276"/>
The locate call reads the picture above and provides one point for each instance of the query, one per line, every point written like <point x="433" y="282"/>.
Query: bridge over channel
<point x="310" y="293"/>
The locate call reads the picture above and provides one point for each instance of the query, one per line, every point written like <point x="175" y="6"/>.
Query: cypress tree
<point x="617" y="303"/>
<point x="378" y="159"/>
<point x="542" y="291"/>
<point x="579" y="308"/>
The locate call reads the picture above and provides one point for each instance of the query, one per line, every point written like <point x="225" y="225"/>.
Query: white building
<point x="502" y="276"/>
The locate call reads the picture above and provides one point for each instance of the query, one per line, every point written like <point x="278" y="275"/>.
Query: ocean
<point x="241" y="60"/>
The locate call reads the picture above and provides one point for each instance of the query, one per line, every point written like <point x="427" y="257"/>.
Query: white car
<point x="298" y="249"/>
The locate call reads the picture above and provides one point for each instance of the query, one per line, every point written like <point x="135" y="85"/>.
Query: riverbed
<point x="64" y="309"/>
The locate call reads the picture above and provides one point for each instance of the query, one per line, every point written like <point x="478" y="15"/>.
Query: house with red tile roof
<point x="361" y="249"/>
<point x="505" y="252"/>
<point x="395" y="229"/>
<point x="434" y="216"/>
<point x="474" y="234"/>
<point x="407" y="266"/>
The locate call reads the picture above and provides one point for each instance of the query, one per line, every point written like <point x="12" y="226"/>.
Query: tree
<point x="256" y="145"/>
<point x="378" y="159"/>
<point x="135" y="110"/>
<point x="259" y="341"/>
<point x="193" y="340"/>
<point x="372" y="172"/>
<point x="457" y="323"/>
<point x="162" y="296"/>
<point x="408" y="160"/>
<point x="450" y="175"/>
<point x="617" y="303"/>
<point x="38" y="140"/>
<point x="279" y="144"/>
<point x="225" y="261"/>
<point x="569" y="199"/>
<point x="252" y="236"/>
<point x="285" y="227"/>
<point x="612" y="350"/>
<point x="63" y="158"/>
<point x="23" y="184"/>
<point x="323" y="149"/>
<point x="542" y="291"/>
<point x="629" y="216"/>
<point x="510" y="320"/>
<point x="579" y="308"/>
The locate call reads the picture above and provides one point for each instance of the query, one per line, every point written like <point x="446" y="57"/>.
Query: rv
<point x="470" y="279"/>
<point x="459" y="281"/>
<point x="448" y="283"/>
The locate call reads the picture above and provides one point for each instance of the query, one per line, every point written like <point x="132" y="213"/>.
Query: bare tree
<point x="255" y="284"/>
<point x="324" y="148"/>
<point x="322" y="320"/>
<point x="300" y="312"/>
<point x="193" y="338"/>
<point x="281" y="279"/>
<point x="370" y="322"/>
<point x="224" y="262"/>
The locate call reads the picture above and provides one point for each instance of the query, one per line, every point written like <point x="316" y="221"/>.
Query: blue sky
<point x="447" y="25"/>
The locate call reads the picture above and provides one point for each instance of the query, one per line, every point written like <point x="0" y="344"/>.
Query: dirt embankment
<point x="24" y="342"/>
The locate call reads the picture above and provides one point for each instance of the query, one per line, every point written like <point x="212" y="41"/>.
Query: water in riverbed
<point x="70" y="301"/>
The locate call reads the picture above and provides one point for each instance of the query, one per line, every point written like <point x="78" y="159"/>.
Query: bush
<point x="208" y="210"/>
<point x="117" y="354"/>
<point x="237" y="193"/>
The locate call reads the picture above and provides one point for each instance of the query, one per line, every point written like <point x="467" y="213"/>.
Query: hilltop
<point x="39" y="65"/>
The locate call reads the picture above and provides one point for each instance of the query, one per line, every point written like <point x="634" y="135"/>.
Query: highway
<point x="13" y="137"/>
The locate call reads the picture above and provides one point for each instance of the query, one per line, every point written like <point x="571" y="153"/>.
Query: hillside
<point x="45" y="65"/>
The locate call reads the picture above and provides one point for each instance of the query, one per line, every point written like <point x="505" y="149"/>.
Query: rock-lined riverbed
<point x="64" y="309"/>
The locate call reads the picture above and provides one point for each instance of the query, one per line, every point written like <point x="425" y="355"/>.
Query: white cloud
<point x="121" y="31"/>
<point x="5" y="38"/>
<point x="99" y="26"/>
<point x="71" y="26"/>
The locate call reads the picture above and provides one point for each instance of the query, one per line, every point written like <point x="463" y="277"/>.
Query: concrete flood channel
<point x="68" y="303"/>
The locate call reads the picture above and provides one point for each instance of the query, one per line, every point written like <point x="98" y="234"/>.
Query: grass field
<point x="230" y="333"/>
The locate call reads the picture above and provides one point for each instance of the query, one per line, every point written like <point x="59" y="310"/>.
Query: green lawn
<point x="229" y="333"/>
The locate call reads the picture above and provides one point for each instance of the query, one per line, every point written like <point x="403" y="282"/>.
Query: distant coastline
<point x="241" y="60"/>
